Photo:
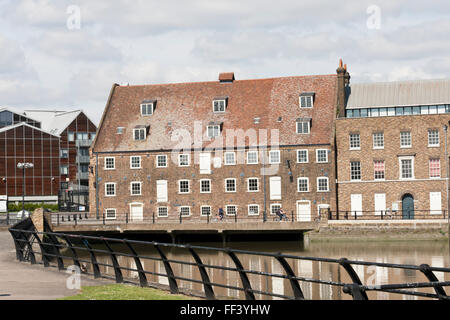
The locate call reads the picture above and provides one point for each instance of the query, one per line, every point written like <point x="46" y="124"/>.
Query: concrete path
<point x="23" y="281"/>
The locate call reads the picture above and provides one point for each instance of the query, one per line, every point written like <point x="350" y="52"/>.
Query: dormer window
<point x="219" y="104"/>
<point x="147" y="107"/>
<point x="307" y="100"/>
<point x="139" y="133"/>
<point x="303" y="125"/>
<point x="213" y="131"/>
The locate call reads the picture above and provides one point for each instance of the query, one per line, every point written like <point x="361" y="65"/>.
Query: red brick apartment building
<point x="246" y="146"/>
<point x="391" y="149"/>
<point x="56" y="142"/>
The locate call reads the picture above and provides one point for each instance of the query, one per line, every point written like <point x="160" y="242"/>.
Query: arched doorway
<point x="408" y="206"/>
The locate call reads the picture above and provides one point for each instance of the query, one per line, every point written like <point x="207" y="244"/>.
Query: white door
<point x="435" y="203"/>
<point x="137" y="212"/>
<point x="356" y="204"/>
<point x="205" y="163"/>
<point x="275" y="188"/>
<point x="303" y="211"/>
<point x="161" y="191"/>
<point x="380" y="203"/>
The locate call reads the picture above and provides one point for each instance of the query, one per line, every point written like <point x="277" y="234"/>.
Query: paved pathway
<point x="23" y="281"/>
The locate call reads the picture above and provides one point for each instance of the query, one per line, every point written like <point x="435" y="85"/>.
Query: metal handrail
<point x="54" y="246"/>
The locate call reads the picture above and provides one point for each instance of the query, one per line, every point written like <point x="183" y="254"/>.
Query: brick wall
<point x="394" y="188"/>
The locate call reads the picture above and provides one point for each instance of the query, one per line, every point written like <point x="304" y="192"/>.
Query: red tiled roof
<point x="180" y="105"/>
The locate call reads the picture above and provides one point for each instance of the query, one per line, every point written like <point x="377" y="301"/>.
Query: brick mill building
<point x="55" y="142"/>
<point x="391" y="149"/>
<point x="246" y="146"/>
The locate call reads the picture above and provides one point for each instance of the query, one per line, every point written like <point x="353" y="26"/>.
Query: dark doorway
<point x="408" y="206"/>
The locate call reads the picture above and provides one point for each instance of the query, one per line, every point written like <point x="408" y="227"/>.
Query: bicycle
<point x="284" y="218"/>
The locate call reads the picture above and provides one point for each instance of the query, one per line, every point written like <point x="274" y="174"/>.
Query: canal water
<point x="434" y="253"/>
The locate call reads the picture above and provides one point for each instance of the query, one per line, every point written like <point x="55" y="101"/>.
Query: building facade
<point x="60" y="163"/>
<point x="392" y="150"/>
<point x="246" y="146"/>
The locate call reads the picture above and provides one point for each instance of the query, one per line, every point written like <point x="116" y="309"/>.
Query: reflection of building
<point x="56" y="142"/>
<point x="391" y="148"/>
<point x="142" y="170"/>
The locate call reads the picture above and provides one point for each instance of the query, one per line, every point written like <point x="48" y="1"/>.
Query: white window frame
<point x="274" y="152"/>
<point x="140" y="188"/>
<point x="317" y="155"/>
<point x="307" y="155"/>
<point x="188" y="160"/>
<point x="201" y="210"/>
<point x="252" y="152"/>
<point x="298" y="184"/>
<point x="297" y="126"/>
<point x="235" y="185"/>
<point x="157" y="161"/>
<point x="248" y="184"/>
<point x="110" y="209"/>
<point x="429" y="168"/>
<point x="374" y="146"/>
<point x="214" y="127"/>
<point x="184" y="207"/>
<point x="328" y="184"/>
<point x="179" y="186"/>
<point x="139" y="129"/>
<point x="360" y="171"/>
<point x="401" y="168"/>
<point x="218" y="101"/>
<point x="147" y="104"/>
<point x="410" y="140"/>
<point x="310" y="97"/>
<point x="231" y="205"/>
<point x="159" y="214"/>
<point x="106" y="189"/>
<point x="210" y="187"/>
<point x="225" y="158"/>
<point x="64" y="170"/>
<point x="384" y="171"/>
<point x="114" y="163"/>
<point x="248" y="209"/>
<point x="274" y="204"/>
<point x="359" y="141"/>
<point x="131" y="162"/>
<point x="438" y="138"/>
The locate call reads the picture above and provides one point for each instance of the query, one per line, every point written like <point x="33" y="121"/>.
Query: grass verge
<point x="124" y="292"/>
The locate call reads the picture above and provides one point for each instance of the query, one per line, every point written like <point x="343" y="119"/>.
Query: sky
<point x="67" y="54"/>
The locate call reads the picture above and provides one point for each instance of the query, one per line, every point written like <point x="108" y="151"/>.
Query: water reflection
<point x="433" y="253"/>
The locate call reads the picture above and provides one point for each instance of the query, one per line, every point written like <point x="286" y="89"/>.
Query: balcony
<point x="82" y="175"/>
<point x="83" y="159"/>
<point x="83" y="143"/>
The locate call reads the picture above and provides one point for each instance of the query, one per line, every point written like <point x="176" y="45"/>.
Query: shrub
<point x="12" y="207"/>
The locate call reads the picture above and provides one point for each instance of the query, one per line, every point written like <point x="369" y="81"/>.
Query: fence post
<point x="57" y="219"/>
<point x="115" y="262"/>
<point x="207" y="218"/>
<point x="75" y="218"/>
<point x="7" y="218"/>
<point x="126" y="217"/>
<point x="346" y="215"/>
<point x="244" y="279"/>
<point x="329" y="214"/>
<point x="94" y="262"/>
<point x="207" y="287"/>
<point x="294" y="283"/>
<point x="426" y="270"/>
<point x="169" y="272"/>
<point x="137" y="262"/>
<point x="292" y="216"/>
<point x="181" y="218"/>
<point x="381" y="214"/>
<point x="153" y="217"/>
<point x="353" y="289"/>
<point x="356" y="213"/>
<point x="103" y="217"/>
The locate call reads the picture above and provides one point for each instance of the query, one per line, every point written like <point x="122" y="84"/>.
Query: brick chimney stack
<point x="343" y="81"/>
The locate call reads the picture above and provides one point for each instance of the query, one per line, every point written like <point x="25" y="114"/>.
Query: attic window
<point x="213" y="130"/>
<point x="147" y="107"/>
<point x="140" y="133"/>
<point x="219" y="104"/>
<point x="306" y="100"/>
<point x="303" y="125"/>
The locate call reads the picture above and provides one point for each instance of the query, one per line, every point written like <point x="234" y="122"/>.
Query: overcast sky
<point x="67" y="54"/>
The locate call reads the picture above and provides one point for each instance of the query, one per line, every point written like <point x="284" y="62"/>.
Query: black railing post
<point x="7" y="218"/>
<point x="381" y="214"/>
<point x="426" y="270"/>
<point x="44" y="256"/>
<point x="298" y="294"/>
<point x="126" y="217"/>
<point x="142" y="278"/>
<point x="103" y="217"/>
<point x="244" y="279"/>
<point x="207" y="218"/>
<point x="329" y="214"/>
<point x="181" y="217"/>
<point x="337" y="214"/>
<point x="355" y="290"/>
<point x="356" y="213"/>
<point x="115" y="262"/>
<point x="292" y="216"/>
<point x="75" y="218"/>
<point x="153" y="214"/>
<point x="74" y="252"/>
<point x="55" y="243"/>
<point x="209" y="292"/>
<point x="346" y="215"/>
<point x="235" y="217"/>
<point x="18" y="245"/>
<point x="169" y="272"/>
<point x="94" y="262"/>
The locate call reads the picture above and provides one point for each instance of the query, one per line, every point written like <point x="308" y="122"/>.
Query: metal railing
<point x="388" y="215"/>
<point x="11" y="218"/>
<point x="178" y="218"/>
<point x="61" y="250"/>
